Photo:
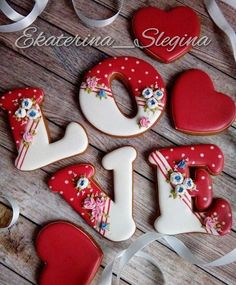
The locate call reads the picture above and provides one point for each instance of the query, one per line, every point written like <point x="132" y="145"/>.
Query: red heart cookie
<point x="70" y="255"/>
<point x="197" y="108"/>
<point x="152" y="27"/>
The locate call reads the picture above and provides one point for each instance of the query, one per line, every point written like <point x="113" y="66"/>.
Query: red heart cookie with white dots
<point x="70" y="255"/>
<point x="151" y="26"/>
<point x="197" y="108"/>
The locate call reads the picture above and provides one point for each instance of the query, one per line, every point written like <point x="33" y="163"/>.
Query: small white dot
<point x="9" y="92"/>
<point x="115" y="57"/>
<point x="122" y="67"/>
<point x="223" y="223"/>
<point x="98" y="71"/>
<point x="205" y="199"/>
<point x="129" y="78"/>
<point x="100" y="63"/>
<point x="19" y="94"/>
<point x="202" y="154"/>
<point x="50" y="187"/>
<point x="209" y="187"/>
<point x="140" y="81"/>
<point x="203" y="177"/>
<point x="213" y="165"/>
<point x="219" y="156"/>
<point x="146" y="72"/>
<point x="137" y="62"/>
<point x="66" y="181"/>
<point x="212" y="147"/>
<point x="183" y="155"/>
<point x="70" y="172"/>
<point x="230" y="215"/>
<point x="53" y="177"/>
<point x="34" y="90"/>
<point x="86" y="166"/>
<point x="136" y="89"/>
<point x="61" y="192"/>
<point x="193" y="162"/>
<point x="3" y="97"/>
<point x="192" y="148"/>
<point x="126" y="58"/>
<point x="167" y="157"/>
<point x="82" y="214"/>
<point x="215" y="214"/>
<point x="110" y="64"/>
<point x="72" y="199"/>
<point x="9" y="112"/>
<point x="157" y="77"/>
<point x="171" y="149"/>
<point x="106" y="75"/>
<point x="133" y="70"/>
<point x="17" y="142"/>
<point x="223" y="206"/>
<point x="12" y="128"/>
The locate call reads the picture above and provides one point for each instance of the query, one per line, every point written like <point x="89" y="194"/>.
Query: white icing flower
<point x="180" y="189"/>
<point x="33" y="114"/>
<point x="20" y="113"/>
<point x="26" y="103"/>
<point x="152" y="103"/>
<point x="188" y="182"/>
<point x="158" y="94"/>
<point x="82" y="183"/>
<point x="147" y="93"/>
<point x="176" y="178"/>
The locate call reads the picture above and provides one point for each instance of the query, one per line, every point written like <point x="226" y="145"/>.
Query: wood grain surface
<point x="58" y="71"/>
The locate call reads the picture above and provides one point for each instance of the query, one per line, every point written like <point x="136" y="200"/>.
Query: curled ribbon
<point x="15" y="211"/>
<point x="135" y="249"/>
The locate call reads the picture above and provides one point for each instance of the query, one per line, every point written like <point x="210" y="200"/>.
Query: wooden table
<point x="58" y="70"/>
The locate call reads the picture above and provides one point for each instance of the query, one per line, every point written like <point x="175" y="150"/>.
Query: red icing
<point x="136" y="73"/>
<point x="64" y="182"/>
<point x="10" y="102"/>
<point x="197" y="107"/>
<point x="70" y="255"/>
<point x="176" y="22"/>
<point x="206" y="158"/>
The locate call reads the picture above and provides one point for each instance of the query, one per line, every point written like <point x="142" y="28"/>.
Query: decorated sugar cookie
<point x="145" y="85"/>
<point x="76" y="184"/>
<point x="197" y="108"/>
<point x="186" y="202"/>
<point x="166" y="35"/>
<point x="70" y="255"/>
<point x="30" y="131"/>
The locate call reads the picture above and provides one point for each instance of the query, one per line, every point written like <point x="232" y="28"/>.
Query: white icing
<point x="105" y="115"/>
<point x="41" y="153"/>
<point x="122" y="225"/>
<point x="176" y="217"/>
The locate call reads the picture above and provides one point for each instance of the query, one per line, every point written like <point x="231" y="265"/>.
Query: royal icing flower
<point x="212" y="223"/>
<point x="91" y="82"/>
<point x="180" y="189"/>
<point x="20" y="113"/>
<point x="102" y="94"/>
<point x="152" y="103"/>
<point x="82" y="183"/>
<point x="96" y="205"/>
<point x="147" y="93"/>
<point x="158" y="94"/>
<point x="176" y="178"/>
<point x="33" y="114"/>
<point x="26" y="103"/>
<point x="144" y="122"/>
<point x="28" y="137"/>
<point x="189" y="184"/>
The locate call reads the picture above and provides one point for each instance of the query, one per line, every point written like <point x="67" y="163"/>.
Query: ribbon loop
<point x="15" y="211"/>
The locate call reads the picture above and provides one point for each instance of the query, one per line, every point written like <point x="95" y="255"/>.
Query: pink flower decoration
<point x="92" y="82"/>
<point x="144" y="122"/>
<point x="211" y="223"/>
<point x="96" y="205"/>
<point x="28" y="137"/>
<point x="89" y="203"/>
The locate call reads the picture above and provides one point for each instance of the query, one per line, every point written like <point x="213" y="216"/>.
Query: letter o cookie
<point x="144" y="83"/>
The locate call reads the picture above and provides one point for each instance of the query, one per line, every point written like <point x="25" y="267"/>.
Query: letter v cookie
<point x="186" y="197"/>
<point x="112" y="219"/>
<point x="30" y="131"/>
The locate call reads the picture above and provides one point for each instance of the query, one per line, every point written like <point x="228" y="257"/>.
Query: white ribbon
<point x="177" y="245"/>
<point x="219" y="19"/>
<point x="97" y="23"/>
<point x="15" y="211"/>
